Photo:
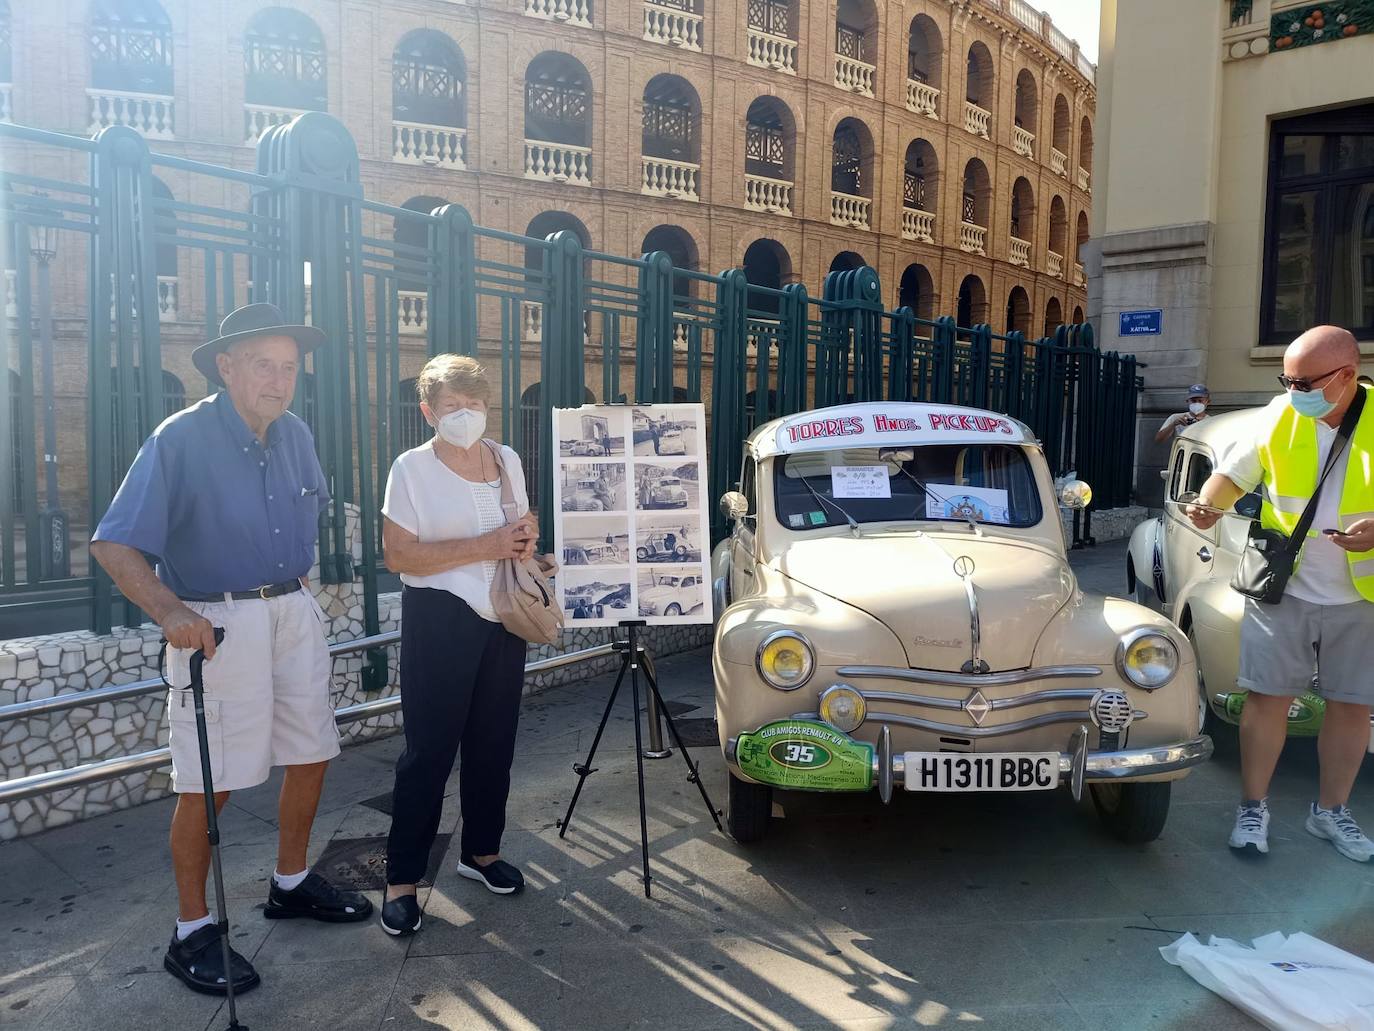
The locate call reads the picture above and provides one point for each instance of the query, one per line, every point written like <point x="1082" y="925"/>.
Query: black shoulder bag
<point x="1269" y="556"/>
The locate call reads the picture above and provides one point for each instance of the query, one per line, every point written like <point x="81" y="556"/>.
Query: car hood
<point x="908" y="581"/>
<point x="658" y="593"/>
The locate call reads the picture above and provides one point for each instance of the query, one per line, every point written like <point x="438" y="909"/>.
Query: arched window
<point x="131" y="47"/>
<point x="1077" y="315"/>
<point x="164" y="223"/>
<point x="851" y="174"/>
<point x="1027" y="114"/>
<point x="980" y="90"/>
<point x="766" y="264"/>
<point x="769" y="140"/>
<point x="777" y="18"/>
<point x="428" y="78"/>
<point x="672" y="117"/>
<point x="681" y="249"/>
<point x="412" y="235"/>
<point x="856" y="45"/>
<point x="1022" y="221"/>
<point x="977" y="195"/>
<point x="1081" y="236"/>
<point x="1085" y="154"/>
<point x="1059" y="227"/>
<point x="1018" y="311"/>
<point x="924" y="51"/>
<point x="558" y="101"/>
<point x="920" y="177"/>
<point x="1054" y="316"/>
<point x="544" y="225"/>
<point x="1062" y="146"/>
<point x="285" y="64"/>
<point x="847" y="261"/>
<point x="917" y="291"/>
<point x="973" y="303"/>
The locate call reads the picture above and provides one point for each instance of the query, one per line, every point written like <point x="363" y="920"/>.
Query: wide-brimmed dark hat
<point x="252" y="320"/>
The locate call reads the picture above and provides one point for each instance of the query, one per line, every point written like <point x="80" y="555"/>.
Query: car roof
<point x="1219" y="432"/>
<point x="886" y="424"/>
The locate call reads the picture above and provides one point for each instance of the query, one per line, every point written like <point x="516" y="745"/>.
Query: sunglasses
<point x="1302" y="384"/>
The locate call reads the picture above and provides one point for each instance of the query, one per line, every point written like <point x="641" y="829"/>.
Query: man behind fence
<point x="1324" y="621"/>
<point x="226" y="496"/>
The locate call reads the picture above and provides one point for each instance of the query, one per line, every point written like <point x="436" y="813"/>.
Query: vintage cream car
<point x="896" y="609"/>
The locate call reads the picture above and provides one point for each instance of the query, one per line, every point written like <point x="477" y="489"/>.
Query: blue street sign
<point x="1136" y="323"/>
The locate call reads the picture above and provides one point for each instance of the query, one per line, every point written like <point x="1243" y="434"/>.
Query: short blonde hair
<point x="457" y="372"/>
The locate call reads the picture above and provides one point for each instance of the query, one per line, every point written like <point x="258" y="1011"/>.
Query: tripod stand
<point x="633" y="658"/>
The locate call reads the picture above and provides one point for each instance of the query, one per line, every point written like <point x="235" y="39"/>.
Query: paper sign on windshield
<point x="983" y="504"/>
<point x="860" y="481"/>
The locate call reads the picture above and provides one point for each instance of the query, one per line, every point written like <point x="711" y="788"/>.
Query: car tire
<point x="641" y="553"/>
<point x="750" y="807"/>
<point x="1209" y="722"/>
<point x="673" y="610"/>
<point x="1134" y="813"/>
<point x="682" y="551"/>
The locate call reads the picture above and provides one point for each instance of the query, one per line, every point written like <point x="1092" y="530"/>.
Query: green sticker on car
<point x="805" y="755"/>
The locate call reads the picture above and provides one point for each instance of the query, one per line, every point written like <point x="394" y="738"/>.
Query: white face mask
<point x="462" y="428"/>
<point x="1197" y="407"/>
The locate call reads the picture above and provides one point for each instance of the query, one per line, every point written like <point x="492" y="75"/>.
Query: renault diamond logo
<point x="963" y="566"/>
<point x="977" y="707"/>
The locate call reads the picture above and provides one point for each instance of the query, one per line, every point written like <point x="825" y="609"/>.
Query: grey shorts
<point x="1282" y="645"/>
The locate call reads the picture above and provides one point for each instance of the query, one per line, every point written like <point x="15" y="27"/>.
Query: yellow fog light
<point x="843" y="708"/>
<point x="785" y="660"/>
<point x="1147" y="658"/>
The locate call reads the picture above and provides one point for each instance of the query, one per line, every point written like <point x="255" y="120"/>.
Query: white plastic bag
<point x="1293" y="983"/>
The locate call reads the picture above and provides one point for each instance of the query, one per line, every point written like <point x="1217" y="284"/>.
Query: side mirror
<point x="1249" y="506"/>
<point x="1075" y="494"/>
<point x="734" y="505"/>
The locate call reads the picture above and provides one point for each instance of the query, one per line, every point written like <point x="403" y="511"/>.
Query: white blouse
<point x="427" y="498"/>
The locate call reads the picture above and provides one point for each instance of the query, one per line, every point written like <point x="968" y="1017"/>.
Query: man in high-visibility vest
<point x="1325" y="619"/>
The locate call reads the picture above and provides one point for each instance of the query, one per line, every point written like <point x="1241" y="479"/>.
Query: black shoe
<point x="317" y="899"/>
<point x="198" y="962"/>
<point x="499" y="876"/>
<point x="401" y="915"/>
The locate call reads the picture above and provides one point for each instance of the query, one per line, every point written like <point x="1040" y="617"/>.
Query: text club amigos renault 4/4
<point x="896" y="609"/>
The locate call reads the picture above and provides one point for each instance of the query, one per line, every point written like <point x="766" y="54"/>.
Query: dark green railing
<point x="558" y="323"/>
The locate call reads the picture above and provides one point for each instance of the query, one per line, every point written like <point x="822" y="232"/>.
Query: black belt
<point x="269" y="591"/>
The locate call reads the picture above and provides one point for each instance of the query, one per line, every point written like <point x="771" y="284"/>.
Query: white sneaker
<point x="1251" y="832"/>
<point x="1340" y="828"/>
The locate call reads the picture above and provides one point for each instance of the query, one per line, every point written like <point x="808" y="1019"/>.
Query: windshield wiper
<point x="972" y="523"/>
<point x="823" y="501"/>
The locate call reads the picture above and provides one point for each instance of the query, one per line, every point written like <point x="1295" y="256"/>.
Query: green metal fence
<point x="557" y="323"/>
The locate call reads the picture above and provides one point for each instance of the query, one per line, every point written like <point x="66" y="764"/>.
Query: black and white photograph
<point x="591" y="432"/>
<point x="596" y="594"/>
<point x="596" y="540"/>
<point x="668" y="538"/>
<point x="666" y="486"/>
<point x="592" y="487"/>
<point x="666" y="591"/>
<point x="665" y="432"/>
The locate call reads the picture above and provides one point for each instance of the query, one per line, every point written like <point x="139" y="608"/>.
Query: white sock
<point x="288" y="882"/>
<point x="186" y="928"/>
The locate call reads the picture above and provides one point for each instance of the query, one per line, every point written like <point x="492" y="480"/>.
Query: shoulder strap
<point x="507" y="491"/>
<point x="1347" y="427"/>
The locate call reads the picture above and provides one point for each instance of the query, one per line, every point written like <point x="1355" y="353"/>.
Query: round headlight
<point x="1147" y="658"/>
<point x="785" y="660"/>
<point x="843" y="708"/>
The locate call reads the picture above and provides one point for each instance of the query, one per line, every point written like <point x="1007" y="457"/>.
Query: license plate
<point x="981" y="771"/>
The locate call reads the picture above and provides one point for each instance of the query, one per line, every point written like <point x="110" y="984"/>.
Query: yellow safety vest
<point x="1289" y="457"/>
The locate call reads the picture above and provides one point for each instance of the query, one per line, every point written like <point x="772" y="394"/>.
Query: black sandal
<point x="198" y="962"/>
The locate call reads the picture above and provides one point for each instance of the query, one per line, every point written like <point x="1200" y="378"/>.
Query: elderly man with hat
<point x="1180" y="421"/>
<point x="226" y="497"/>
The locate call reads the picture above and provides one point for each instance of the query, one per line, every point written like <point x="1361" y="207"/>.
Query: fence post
<point x="945" y="339"/>
<point x="452" y="300"/>
<point x="793" y="316"/>
<point x="654" y="330"/>
<point x="980" y="364"/>
<point x="1016" y="374"/>
<point x="727" y="392"/>
<point x="901" y="365"/>
<point x="561" y="361"/>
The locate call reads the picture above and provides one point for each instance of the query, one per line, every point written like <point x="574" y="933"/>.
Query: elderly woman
<point x="461" y="671"/>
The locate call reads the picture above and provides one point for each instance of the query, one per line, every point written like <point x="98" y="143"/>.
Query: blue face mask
<point x="1312" y="403"/>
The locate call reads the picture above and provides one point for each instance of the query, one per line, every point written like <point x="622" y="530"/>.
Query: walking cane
<point x="212" y="823"/>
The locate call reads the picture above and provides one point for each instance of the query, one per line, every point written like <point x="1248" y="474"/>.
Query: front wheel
<point x="673" y="610"/>
<point x="682" y="551"/>
<point x="1134" y="813"/>
<point x="642" y="553"/>
<point x="749" y="810"/>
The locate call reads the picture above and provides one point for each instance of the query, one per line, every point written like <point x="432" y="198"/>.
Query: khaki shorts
<point x="267" y="699"/>
<point x="1282" y="645"/>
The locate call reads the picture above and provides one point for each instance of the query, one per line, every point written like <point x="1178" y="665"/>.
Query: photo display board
<point x="630" y="529"/>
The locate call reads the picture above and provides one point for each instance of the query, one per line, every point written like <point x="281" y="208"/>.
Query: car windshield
<point x="669" y="581"/>
<point x="988" y="483"/>
<point x="669" y="481"/>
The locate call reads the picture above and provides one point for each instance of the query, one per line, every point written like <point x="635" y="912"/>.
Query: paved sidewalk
<point x="994" y="912"/>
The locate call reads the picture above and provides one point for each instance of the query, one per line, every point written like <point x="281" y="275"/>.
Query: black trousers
<point x="461" y="680"/>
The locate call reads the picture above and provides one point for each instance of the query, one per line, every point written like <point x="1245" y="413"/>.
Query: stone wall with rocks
<point x="1110" y="524"/>
<point x="59" y="664"/>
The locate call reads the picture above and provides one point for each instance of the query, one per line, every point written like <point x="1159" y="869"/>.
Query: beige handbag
<point x="522" y="591"/>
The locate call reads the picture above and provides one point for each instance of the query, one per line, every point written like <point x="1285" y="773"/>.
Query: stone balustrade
<point x="977" y="120"/>
<point x="1054" y="264"/>
<point x="855" y="76"/>
<point x="1023" y="142"/>
<point x="531" y="322"/>
<point x="6" y="102"/>
<point x="148" y="113"/>
<point x="574" y="12"/>
<point x="672" y="26"/>
<point x="1085" y="180"/>
<point x="918" y="225"/>
<point x="441" y="146"/>
<point x="771" y="195"/>
<point x="258" y="118"/>
<point x="666" y="178"/>
<point x="922" y="98"/>
<point x="972" y="238"/>
<point x="1020" y="252"/>
<point x="558" y="162"/>
<point x="769" y="51"/>
<point x="849" y="210"/>
<point x="1079" y="277"/>
<point x="168" y="299"/>
<point x="1059" y="162"/>
<point x="412" y="312"/>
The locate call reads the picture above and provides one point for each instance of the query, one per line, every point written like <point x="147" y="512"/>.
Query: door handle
<point x="745" y="571"/>
<point x="1204" y="553"/>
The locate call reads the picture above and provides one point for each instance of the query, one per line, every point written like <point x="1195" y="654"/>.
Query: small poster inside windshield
<point x="982" y="504"/>
<point x="860" y="481"/>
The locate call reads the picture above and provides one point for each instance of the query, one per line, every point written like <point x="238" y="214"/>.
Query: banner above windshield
<point x="887" y="424"/>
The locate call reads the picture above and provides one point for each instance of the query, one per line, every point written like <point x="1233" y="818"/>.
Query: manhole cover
<point x="360" y="863"/>
<point x="698" y="733"/>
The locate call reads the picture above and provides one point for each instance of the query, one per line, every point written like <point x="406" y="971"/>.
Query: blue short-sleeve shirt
<point x="218" y="509"/>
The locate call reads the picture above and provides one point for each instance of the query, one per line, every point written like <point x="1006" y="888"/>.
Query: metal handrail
<point x="107" y="769"/>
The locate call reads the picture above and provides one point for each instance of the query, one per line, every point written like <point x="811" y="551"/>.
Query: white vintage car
<point x="671" y="595"/>
<point x="663" y="492"/>
<point x="896" y="609"/>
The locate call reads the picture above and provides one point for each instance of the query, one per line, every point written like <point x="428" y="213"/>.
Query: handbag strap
<point x="1343" y="434"/>
<point x="507" y="491"/>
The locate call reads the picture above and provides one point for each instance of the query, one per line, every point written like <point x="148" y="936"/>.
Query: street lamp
<point x="54" y="557"/>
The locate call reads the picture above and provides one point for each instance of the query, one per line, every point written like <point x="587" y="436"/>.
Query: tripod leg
<point x="633" y="656"/>
<point x="693" y="771"/>
<point x="585" y="770"/>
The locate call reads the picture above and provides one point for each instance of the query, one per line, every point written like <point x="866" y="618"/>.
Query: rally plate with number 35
<point x="981" y="771"/>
